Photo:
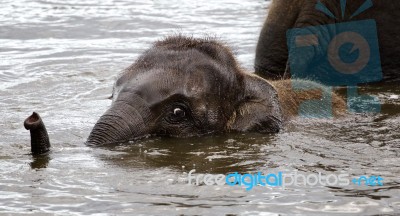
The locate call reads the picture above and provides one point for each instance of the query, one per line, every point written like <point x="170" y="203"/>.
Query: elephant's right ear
<point x="259" y="109"/>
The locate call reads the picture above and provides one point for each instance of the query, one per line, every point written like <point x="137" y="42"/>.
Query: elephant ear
<point x="259" y="109"/>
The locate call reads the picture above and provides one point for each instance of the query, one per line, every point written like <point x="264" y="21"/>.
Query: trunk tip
<point x="33" y="121"/>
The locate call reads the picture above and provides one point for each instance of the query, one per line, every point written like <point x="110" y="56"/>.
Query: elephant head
<point x="184" y="87"/>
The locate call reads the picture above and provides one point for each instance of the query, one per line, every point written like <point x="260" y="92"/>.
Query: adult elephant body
<point x="272" y="48"/>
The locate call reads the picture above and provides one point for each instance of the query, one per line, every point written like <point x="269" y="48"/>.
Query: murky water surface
<point x="60" y="58"/>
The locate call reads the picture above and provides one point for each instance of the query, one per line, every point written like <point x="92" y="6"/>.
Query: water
<point x="61" y="59"/>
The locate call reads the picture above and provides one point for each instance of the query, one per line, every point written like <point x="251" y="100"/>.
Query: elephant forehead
<point x="195" y="84"/>
<point x="158" y="85"/>
<point x="191" y="79"/>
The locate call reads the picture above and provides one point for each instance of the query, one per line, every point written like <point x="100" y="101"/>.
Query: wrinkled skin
<point x="272" y="51"/>
<point x="40" y="143"/>
<point x="184" y="87"/>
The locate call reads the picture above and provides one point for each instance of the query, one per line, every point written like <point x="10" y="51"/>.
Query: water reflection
<point x="40" y="161"/>
<point x="211" y="154"/>
<point x="61" y="59"/>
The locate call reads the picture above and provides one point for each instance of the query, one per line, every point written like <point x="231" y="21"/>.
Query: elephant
<point x="275" y="53"/>
<point x="184" y="87"/>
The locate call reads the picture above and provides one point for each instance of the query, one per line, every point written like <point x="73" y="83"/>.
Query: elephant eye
<point x="176" y="115"/>
<point x="178" y="112"/>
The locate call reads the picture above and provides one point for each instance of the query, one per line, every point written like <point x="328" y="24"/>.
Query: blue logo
<point x="368" y="181"/>
<point x="340" y="54"/>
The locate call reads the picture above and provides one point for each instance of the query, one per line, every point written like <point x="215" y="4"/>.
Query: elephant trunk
<point x="121" y="123"/>
<point x="40" y="143"/>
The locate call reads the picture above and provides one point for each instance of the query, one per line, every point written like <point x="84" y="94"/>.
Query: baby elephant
<point x="185" y="87"/>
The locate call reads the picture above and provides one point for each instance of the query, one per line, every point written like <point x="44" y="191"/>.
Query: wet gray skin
<point x="61" y="59"/>
<point x="40" y="143"/>
<point x="184" y="87"/>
